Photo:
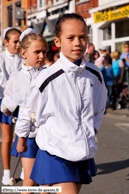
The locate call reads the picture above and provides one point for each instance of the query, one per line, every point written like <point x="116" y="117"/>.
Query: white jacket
<point x="9" y="63"/>
<point x="69" y="102"/>
<point x="17" y="88"/>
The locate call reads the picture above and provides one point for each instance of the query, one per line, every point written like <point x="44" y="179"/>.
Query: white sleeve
<point x="11" y="96"/>
<point x="34" y="103"/>
<point x="3" y="75"/>
<point x="100" y="98"/>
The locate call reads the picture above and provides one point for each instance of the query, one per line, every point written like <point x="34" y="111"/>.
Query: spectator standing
<point x="105" y="53"/>
<point x="125" y="55"/>
<point x="98" y="60"/>
<point x="89" y="56"/>
<point x="108" y="75"/>
<point x="118" y="70"/>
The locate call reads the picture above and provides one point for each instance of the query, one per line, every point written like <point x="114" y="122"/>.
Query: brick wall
<point x="31" y="3"/>
<point x="83" y="9"/>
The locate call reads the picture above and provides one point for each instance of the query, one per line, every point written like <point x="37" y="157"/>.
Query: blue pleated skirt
<point x="8" y="120"/>
<point x="50" y="169"/>
<point x="30" y="153"/>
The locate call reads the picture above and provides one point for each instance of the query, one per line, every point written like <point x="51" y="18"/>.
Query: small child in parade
<point x="33" y="49"/>
<point x="10" y="62"/>
<point x="69" y="100"/>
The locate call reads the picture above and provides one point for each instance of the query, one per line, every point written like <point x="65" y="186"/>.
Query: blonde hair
<point x="115" y="55"/>
<point x="29" y="38"/>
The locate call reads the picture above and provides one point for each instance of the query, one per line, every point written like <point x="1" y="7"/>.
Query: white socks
<point x="22" y="174"/>
<point x="6" y="176"/>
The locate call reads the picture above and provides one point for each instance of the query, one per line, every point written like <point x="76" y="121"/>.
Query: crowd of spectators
<point x="113" y="67"/>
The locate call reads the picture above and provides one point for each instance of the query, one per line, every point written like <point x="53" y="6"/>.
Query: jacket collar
<point x="69" y="66"/>
<point x="31" y="71"/>
<point x="29" y="68"/>
<point x="9" y="55"/>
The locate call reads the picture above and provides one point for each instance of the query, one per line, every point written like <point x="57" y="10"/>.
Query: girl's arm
<point x="122" y="71"/>
<point x="10" y="99"/>
<point x="100" y="97"/>
<point x="21" y="145"/>
<point x="3" y="75"/>
<point x="23" y="125"/>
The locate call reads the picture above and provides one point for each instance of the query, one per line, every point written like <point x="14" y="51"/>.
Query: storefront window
<point x="122" y="28"/>
<point x="89" y="34"/>
<point x="10" y="16"/>
<point x="107" y="33"/>
<point x="58" y="1"/>
<point x="119" y="46"/>
<point x="18" y="22"/>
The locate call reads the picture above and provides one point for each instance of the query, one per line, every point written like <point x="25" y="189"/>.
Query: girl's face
<point x="13" y="45"/>
<point x="35" y="55"/>
<point x="73" y="39"/>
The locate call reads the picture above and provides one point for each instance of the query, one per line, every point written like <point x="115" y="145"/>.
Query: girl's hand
<point x="21" y="145"/>
<point x="8" y="113"/>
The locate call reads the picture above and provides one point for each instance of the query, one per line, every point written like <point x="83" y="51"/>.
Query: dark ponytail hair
<point x="64" y="18"/>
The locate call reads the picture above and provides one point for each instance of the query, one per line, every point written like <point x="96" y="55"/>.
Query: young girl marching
<point x="69" y="101"/>
<point x="33" y="49"/>
<point x="10" y="62"/>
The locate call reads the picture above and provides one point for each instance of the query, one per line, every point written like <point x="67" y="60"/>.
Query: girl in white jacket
<point x="69" y="101"/>
<point x="33" y="49"/>
<point x="10" y="62"/>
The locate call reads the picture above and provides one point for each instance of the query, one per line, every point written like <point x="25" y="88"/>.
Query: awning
<point x="51" y="24"/>
<point x="39" y="27"/>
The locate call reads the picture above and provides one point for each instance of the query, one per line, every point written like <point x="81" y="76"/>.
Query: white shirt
<point x="9" y="63"/>
<point x="69" y="102"/>
<point x="17" y="88"/>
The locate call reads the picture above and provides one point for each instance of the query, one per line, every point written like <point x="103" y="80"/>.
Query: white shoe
<point x="22" y="174"/>
<point x="6" y="176"/>
<point x="5" y="180"/>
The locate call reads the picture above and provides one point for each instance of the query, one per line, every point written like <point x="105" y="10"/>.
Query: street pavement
<point x="112" y="158"/>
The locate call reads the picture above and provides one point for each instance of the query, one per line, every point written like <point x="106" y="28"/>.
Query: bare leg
<point x="79" y="187"/>
<point x="27" y="164"/>
<point x="7" y="137"/>
<point x="67" y="188"/>
<point x="44" y="186"/>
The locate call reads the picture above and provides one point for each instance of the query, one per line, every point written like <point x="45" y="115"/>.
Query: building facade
<point x="82" y="8"/>
<point x="110" y="24"/>
<point x="14" y="14"/>
<point x="43" y="20"/>
<point x="1" y="24"/>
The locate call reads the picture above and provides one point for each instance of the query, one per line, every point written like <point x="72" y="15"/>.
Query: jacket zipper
<point x="79" y="108"/>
